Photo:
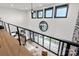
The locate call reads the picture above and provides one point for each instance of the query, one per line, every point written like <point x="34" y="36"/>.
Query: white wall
<point x="13" y="16"/>
<point x="58" y="27"/>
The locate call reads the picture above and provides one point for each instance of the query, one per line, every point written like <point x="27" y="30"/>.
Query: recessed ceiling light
<point x="40" y="5"/>
<point x="11" y="5"/>
<point x="25" y="8"/>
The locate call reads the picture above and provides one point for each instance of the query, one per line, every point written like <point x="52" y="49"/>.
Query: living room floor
<point x="31" y="46"/>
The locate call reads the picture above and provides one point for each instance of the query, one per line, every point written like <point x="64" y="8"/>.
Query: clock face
<point x="43" y="26"/>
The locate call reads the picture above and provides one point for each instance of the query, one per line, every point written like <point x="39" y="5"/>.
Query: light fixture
<point x="11" y="5"/>
<point x="40" y="5"/>
<point x="25" y="8"/>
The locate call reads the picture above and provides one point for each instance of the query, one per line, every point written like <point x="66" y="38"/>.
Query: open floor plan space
<point x="39" y="29"/>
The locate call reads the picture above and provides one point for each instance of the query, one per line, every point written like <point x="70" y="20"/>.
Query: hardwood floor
<point x="9" y="46"/>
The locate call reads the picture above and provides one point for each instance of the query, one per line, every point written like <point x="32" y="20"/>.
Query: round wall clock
<point x="43" y="26"/>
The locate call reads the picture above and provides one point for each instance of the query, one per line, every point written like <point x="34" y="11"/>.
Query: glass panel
<point x="40" y="39"/>
<point x="7" y="28"/>
<point x="4" y="26"/>
<point x="61" y="12"/>
<point x="54" y="45"/>
<point x="46" y="42"/>
<point x="21" y="31"/>
<point x="34" y="14"/>
<point x="40" y="14"/>
<point x="0" y="23"/>
<point x="64" y="49"/>
<point x="13" y="28"/>
<point x="13" y="31"/>
<point x="49" y="13"/>
<point x="31" y="35"/>
<point x="36" y="37"/>
<point x="27" y="34"/>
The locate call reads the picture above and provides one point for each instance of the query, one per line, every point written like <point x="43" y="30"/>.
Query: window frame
<point x="38" y="13"/>
<point x="46" y="24"/>
<point x="32" y="14"/>
<point x="61" y="6"/>
<point x="46" y="10"/>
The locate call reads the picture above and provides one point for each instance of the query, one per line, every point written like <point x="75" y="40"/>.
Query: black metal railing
<point x="61" y="47"/>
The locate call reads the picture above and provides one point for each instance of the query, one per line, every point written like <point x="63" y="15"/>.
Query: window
<point x="36" y="37"/>
<point x="31" y="35"/>
<point x="43" y="26"/>
<point x="54" y="45"/>
<point x="48" y="13"/>
<point x="40" y="14"/>
<point x="41" y="40"/>
<point x="46" y="42"/>
<point x="61" y="11"/>
<point x="27" y="34"/>
<point x="0" y="23"/>
<point x="34" y="14"/>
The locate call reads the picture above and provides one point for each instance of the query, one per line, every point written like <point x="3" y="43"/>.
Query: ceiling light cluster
<point x="26" y="8"/>
<point x="11" y="5"/>
<point x="40" y="5"/>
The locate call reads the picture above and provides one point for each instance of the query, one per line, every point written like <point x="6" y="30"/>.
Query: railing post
<point x="50" y="44"/>
<point x="2" y="23"/>
<point x="77" y="54"/>
<point x="5" y="26"/>
<point x="62" y="48"/>
<point x="38" y="38"/>
<point x="18" y="36"/>
<point x="43" y="40"/>
<point x="67" y="50"/>
<point x="25" y="39"/>
<point x="59" y="47"/>
<point x="9" y="28"/>
<point x="33" y="37"/>
<point x="30" y="35"/>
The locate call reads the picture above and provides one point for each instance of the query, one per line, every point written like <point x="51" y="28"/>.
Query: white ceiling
<point x="23" y="6"/>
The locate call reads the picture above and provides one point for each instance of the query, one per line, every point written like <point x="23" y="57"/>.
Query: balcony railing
<point x="57" y="46"/>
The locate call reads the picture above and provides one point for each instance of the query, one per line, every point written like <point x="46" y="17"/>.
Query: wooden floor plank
<point x="10" y="46"/>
